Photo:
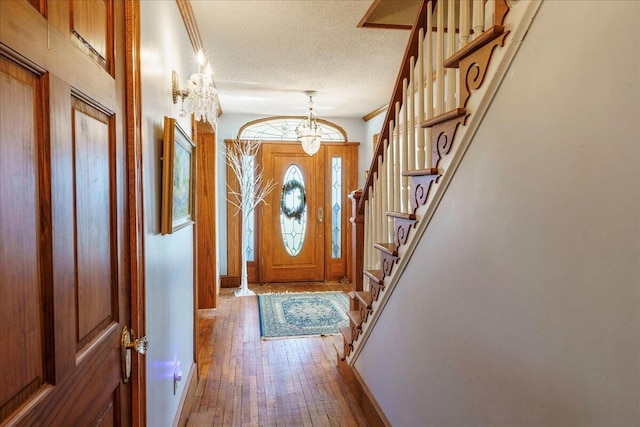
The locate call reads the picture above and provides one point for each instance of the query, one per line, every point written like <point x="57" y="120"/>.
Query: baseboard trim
<point x="368" y="404"/>
<point x="188" y="395"/>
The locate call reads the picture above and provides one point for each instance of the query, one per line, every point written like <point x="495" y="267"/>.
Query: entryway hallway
<point x="246" y="381"/>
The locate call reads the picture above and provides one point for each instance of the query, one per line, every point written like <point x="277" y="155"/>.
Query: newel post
<point x="357" y="240"/>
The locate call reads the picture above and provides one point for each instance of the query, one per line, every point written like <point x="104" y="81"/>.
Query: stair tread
<point x="365" y="297"/>
<point x="346" y="333"/>
<point x="449" y="115"/>
<point x="421" y="172"/>
<point x="375" y="275"/>
<point x="400" y="215"/>
<point x="355" y="317"/>
<point x="487" y="36"/>
<point x="389" y="248"/>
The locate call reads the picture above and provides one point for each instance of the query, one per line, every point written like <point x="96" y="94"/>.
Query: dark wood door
<point x="64" y="242"/>
<point x="298" y="256"/>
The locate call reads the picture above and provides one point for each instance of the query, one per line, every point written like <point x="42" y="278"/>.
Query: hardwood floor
<point x="246" y="381"/>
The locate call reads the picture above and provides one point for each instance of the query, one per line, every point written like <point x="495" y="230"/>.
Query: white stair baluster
<point x="420" y="154"/>
<point x="451" y="49"/>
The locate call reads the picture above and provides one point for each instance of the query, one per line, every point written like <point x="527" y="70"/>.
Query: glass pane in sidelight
<point x="336" y="207"/>
<point x="249" y="165"/>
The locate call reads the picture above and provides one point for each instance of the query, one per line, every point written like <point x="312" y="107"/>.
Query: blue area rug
<point x="303" y="314"/>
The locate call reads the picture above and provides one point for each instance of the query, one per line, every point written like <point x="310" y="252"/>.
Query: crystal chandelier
<point x="308" y="131"/>
<point x="199" y="93"/>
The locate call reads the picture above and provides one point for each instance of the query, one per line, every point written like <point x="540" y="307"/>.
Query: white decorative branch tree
<point x="240" y="157"/>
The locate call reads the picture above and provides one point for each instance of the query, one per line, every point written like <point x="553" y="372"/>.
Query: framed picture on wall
<point x="178" y="176"/>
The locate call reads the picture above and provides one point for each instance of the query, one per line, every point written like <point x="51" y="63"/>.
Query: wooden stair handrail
<point x="410" y="50"/>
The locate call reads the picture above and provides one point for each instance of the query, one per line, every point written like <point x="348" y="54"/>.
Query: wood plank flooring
<point x="246" y="381"/>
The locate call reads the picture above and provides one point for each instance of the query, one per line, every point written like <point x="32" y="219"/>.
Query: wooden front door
<point x="315" y="248"/>
<point x="64" y="224"/>
<point x="299" y="257"/>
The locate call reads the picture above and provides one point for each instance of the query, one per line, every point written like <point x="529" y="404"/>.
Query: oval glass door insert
<point x="293" y="210"/>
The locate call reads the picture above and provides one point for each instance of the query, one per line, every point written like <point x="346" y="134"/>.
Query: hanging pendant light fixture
<point x="308" y="131"/>
<point x="199" y="93"/>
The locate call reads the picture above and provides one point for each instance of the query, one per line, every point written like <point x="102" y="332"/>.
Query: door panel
<point x="20" y="225"/>
<point x="89" y="23"/>
<point x="278" y="264"/>
<point x="96" y="282"/>
<point x="64" y="271"/>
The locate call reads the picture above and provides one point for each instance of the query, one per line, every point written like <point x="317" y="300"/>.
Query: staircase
<point x="444" y="87"/>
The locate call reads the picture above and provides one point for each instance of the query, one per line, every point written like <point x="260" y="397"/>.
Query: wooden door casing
<point x="206" y="216"/>
<point x="64" y="268"/>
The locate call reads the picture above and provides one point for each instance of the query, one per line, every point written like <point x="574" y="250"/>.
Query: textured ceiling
<point x="265" y="54"/>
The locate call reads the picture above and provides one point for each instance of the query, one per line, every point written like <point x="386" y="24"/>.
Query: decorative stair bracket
<point x="403" y="223"/>
<point x="376" y="283"/>
<point x="473" y="66"/>
<point x="421" y="181"/>
<point x="364" y="301"/>
<point x="347" y="339"/>
<point x="356" y="324"/>
<point x="443" y="131"/>
<point x="388" y="256"/>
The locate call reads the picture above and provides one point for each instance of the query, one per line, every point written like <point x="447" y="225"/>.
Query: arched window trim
<point x="324" y="123"/>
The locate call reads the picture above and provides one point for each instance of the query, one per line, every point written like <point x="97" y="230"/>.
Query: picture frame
<point x="178" y="178"/>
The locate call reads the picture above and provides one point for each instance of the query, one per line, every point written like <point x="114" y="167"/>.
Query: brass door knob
<point x="128" y="343"/>
<point x="141" y="345"/>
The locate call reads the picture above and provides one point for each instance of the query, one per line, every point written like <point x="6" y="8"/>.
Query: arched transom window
<point x="284" y="129"/>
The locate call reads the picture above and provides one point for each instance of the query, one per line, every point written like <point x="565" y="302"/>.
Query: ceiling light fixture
<point x="199" y="92"/>
<point x="308" y="131"/>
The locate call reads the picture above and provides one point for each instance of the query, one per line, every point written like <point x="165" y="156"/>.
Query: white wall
<point x="228" y="127"/>
<point x="168" y="259"/>
<point x="521" y="304"/>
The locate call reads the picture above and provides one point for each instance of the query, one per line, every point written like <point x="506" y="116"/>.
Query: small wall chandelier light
<point x="199" y="92"/>
<point x="308" y="131"/>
